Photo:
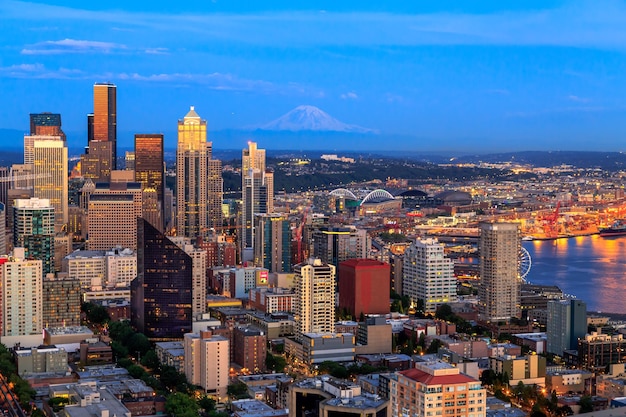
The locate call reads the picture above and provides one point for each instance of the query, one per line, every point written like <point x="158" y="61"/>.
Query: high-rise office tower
<point x="428" y="275"/>
<point x="567" y="322"/>
<point x="500" y="283"/>
<point x="161" y="295"/>
<point x="104" y="119"/>
<point x="257" y="187"/>
<point x="21" y="280"/>
<point x="364" y="287"/>
<point x="315" y="297"/>
<point x="33" y="230"/>
<point x="272" y="246"/>
<point x="96" y="161"/>
<point x="150" y="171"/>
<point x="196" y="188"/>
<point x="51" y="175"/>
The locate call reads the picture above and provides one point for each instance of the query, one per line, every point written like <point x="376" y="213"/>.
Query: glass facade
<point x="161" y="295"/>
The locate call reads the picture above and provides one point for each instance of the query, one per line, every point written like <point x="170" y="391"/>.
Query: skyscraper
<point x="51" y="175"/>
<point x="428" y="275"/>
<point x="33" y="230"/>
<point x="198" y="184"/>
<point x="272" y="246"/>
<point x="46" y="124"/>
<point x="207" y="362"/>
<point x="315" y="297"/>
<point x="257" y="188"/>
<point x="567" y="322"/>
<point x="104" y="119"/>
<point x="499" y="290"/>
<point x="337" y="244"/>
<point x="3" y="234"/>
<point x="161" y="295"/>
<point x="150" y="170"/>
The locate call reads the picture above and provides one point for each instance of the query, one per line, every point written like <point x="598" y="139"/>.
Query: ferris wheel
<point x="525" y="262"/>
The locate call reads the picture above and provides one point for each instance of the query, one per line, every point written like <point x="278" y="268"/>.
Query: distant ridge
<point x="311" y="118"/>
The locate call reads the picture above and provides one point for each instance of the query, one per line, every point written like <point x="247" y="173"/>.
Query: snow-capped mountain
<point x="311" y="118"/>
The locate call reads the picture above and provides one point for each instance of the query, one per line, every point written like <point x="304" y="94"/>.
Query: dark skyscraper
<point x="104" y="118"/>
<point x="149" y="169"/>
<point x="161" y="295"/>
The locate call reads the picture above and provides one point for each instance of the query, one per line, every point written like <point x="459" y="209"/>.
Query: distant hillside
<point x="608" y="161"/>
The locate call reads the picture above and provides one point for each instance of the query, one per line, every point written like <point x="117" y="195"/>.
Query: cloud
<point x="580" y="24"/>
<point x="157" y="51"/>
<point x="71" y="46"/>
<point x="213" y="81"/>
<point x="349" y="96"/>
<point x="578" y="99"/>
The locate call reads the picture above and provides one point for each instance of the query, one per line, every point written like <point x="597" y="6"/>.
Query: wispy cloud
<point x="578" y="99"/>
<point x="351" y="95"/>
<point x="214" y="81"/>
<point x="580" y="23"/>
<point x="157" y="51"/>
<point x="71" y="46"/>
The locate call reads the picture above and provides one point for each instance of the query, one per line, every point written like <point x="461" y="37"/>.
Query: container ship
<point x="618" y="228"/>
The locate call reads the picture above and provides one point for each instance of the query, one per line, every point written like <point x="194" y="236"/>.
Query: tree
<point x="150" y="360"/>
<point x="120" y="330"/>
<point x="238" y="390"/>
<point x="181" y="405"/>
<point x="488" y="377"/>
<point x="444" y="312"/>
<point x="119" y="350"/>
<point x="586" y="404"/>
<point x="275" y="363"/>
<point x="207" y="404"/>
<point x="434" y="346"/>
<point x="136" y="371"/>
<point x="23" y="390"/>
<point x="138" y="342"/>
<point x="95" y="313"/>
<point x="173" y="379"/>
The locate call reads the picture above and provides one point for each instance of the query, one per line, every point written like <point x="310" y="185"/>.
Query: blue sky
<point x="493" y="76"/>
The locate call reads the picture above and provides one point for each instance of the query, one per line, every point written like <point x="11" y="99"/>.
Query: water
<point x="592" y="268"/>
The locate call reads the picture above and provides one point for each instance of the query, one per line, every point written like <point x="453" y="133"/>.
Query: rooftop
<point x="360" y="402"/>
<point x="429" y="379"/>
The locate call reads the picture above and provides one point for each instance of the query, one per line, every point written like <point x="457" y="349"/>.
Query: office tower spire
<point x="199" y="188"/>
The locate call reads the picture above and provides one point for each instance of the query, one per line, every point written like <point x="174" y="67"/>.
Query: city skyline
<point x="435" y="76"/>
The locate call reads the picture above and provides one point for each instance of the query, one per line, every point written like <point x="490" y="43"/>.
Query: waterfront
<point x="592" y="268"/>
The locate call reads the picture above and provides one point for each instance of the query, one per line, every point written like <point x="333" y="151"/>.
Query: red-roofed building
<point x="436" y="389"/>
<point x="364" y="287"/>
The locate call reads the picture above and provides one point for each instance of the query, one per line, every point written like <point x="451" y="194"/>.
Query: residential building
<point x="50" y="173"/>
<point x="250" y="348"/>
<point x="529" y="370"/>
<point x="207" y="362"/>
<point x="567" y="322"/>
<point x="499" y="290"/>
<point x="272" y="242"/>
<point x="61" y="300"/>
<point x="315" y="297"/>
<point x="437" y="388"/>
<point x="40" y="360"/>
<point x="33" y="230"/>
<point x="428" y="275"/>
<point x="272" y="299"/>
<point x="597" y="350"/>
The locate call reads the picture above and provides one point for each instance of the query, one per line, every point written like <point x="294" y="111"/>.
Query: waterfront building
<point x="207" y="362"/>
<point x="438" y="388"/>
<point x="149" y="170"/>
<point x="257" y="185"/>
<point x="272" y="242"/>
<point x="567" y="322"/>
<point x="161" y="295"/>
<point x="33" y="230"/>
<point x="315" y="297"/>
<point x="199" y="184"/>
<point x="363" y="287"/>
<point x="499" y="290"/>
